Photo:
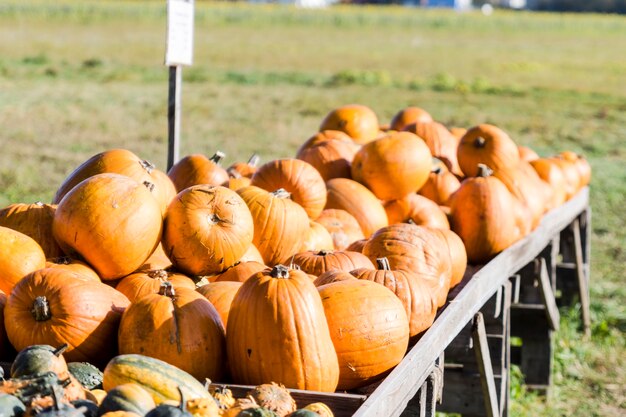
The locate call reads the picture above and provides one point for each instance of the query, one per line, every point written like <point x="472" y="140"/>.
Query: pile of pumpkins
<point x="42" y="383"/>
<point x="315" y="272"/>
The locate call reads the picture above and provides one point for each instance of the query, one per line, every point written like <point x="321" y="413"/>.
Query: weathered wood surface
<point x="393" y="394"/>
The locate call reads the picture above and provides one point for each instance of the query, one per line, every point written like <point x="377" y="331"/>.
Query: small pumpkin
<point x="409" y="115"/>
<point x="553" y="175"/>
<point x="441" y="184"/>
<point x="203" y="407"/>
<point x="342" y="226"/>
<point x="197" y="169"/>
<point x="324" y="136"/>
<point x="526" y="153"/>
<point x="74" y="265"/>
<point x="139" y="284"/>
<point x="330" y="276"/>
<point x="317" y="239"/>
<point x="332" y="158"/>
<point x="19" y="255"/>
<point x="88" y="375"/>
<point x="320" y="408"/>
<point x="158" y="260"/>
<point x="418" y="210"/>
<point x="240" y="272"/>
<point x="246" y="169"/>
<point x="127" y="397"/>
<point x="357" y="121"/>
<point x="170" y="410"/>
<point x="489" y="145"/>
<point x="11" y="406"/>
<point x="240" y="405"/>
<point x="440" y="141"/>
<point x="582" y="165"/>
<point x="221" y="294"/>
<point x="35" y="221"/>
<point x="357" y="245"/>
<point x="39" y="359"/>
<point x="275" y="397"/>
<point x="223" y="396"/>
<point x="316" y="263"/>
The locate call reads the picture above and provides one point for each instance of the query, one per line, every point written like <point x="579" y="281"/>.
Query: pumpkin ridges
<point x="318" y="262"/>
<point x="197" y="169"/>
<point x="139" y="284"/>
<point x="440" y="186"/>
<point x="342" y="226"/>
<point x="408" y="116"/>
<point x="358" y="121"/>
<point x="442" y="144"/>
<point x="221" y="295"/>
<point x="489" y="145"/>
<point x="35" y="221"/>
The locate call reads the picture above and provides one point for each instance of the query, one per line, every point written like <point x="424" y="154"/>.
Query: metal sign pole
<point x="173" y="115"/>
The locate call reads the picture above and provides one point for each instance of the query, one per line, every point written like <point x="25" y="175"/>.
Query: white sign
<point x="179" y="47"/>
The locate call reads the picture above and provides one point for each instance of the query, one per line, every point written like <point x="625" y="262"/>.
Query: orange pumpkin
<point x="186" y="326"/>
<point x="418" y="210"/>
<point x="409" y="115"/>
<point x="317" y="239"/>
<point x="357" y="200"/>
<point x="393" y="166"/>
<point x="35" y="221"/>
<point x="158" y="260"/>
<point x="342" y="226"/>
<point x="165" y="189"/>
<point x="525" y="188"/>
<point x="140" y="284"/>
<point x="252" y="254"/>
<point x="488" y="145"/>
<point x="111" y="221"/>
<point x="240" y="272"/>
<point x="458" y="132"/>
<point x="369" y="330"/>
<point x="297" y="177"/>
<point x="52" y="306"/>
<point x="245" y="169"/>
<point x="316" y="263"/>
<point x="6" y="350"/>
<point x="298" y="351"/>
<point x="552" y="174"/>
<point x="527" y="154"/>
<point x="280" y="224"/>
<point x="357" y="245"/>
<point x="236" y="181"/>
<point x="323" y="136"/>
<point x="221" y="295"/>
<point x="416" y="295"/>
<point x="357" y="121"/>
<point x="457" y="252"/>
<point x="440" y="141"/>
<point x="198" y="169"/>
<point x="332" y="275"/>
<point x="19" y="255"/>
<point x="481" y="216"/>
<point x="582" y="165"/>
<point x="73" y="265"/>
<point x="570" y="173"/>
<point x="207" y="229"/>
<point x="441" y="184"/>
<point x="332" y="158"/>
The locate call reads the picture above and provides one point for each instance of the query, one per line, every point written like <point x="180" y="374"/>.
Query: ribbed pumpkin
<point x="280" y="224"/>
<point x="111" y="221"/>
<point x="393" y="166"/>
<point x="35" y="221"/>
<point x="316" y="263"/>
<point x="207" y="229"/>
<point x="409" y="115"/>
<point x="582" y="165"/>
<point x="552" y="174"/>
<point x="139" y="284"/>
<point x="332" y="157"/>
<point x="318" y="238"/>
<point x="357" y="121"/>
<point x="240" y="272"/>
<point x="416" y="209"/>
<point x="274" y="397"/>
<point x="416" y="249"/>
<point x="440" y="141"/>
<point x="342" y="226"/>
<point x="245" y="169"/>
<point x="357" y="200"/>
<point x="158" y="260"/>
<point x="357" y="245"/>
<point x="298" y="351"/>
<point x="369" y="329"/>
<point x="416" y="295"/>
<point x="52" y="306"/>
<point x="299" y="178"/>
<point x="127" y="397"/>
<point x="252" y="254"/>
<point x="481" y="216"/>
<point x="236" y="181"/>
<point x="164" y="187"/>
<point x="198" y="169"/>
<point x="332" y="275"/>
<point x="117" y="161"/>
<point x="489" y="145"/>
<point x="458" y="255"/>
<point x="19" y="255"/>
<point x="441" y="184"/>
<point x="323" y="136"/>
<point x="221" y="295"/>
<point x="186" y="326"/>
<point x="73" y="265"/>
<point x="526" y="153"/>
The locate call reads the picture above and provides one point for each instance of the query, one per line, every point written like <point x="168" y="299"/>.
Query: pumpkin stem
<point x="167" y="289"/>
<point x="183" y="404"/>
<point x="217" y="158"/>
<point x="254" y="160"/>
<point x="480" y="142"/>
<point x="233" y="173"/>
<point x="147" y="165"/>
<point x="383" y="263"/>
<point x="484" y="171"/>
<point x="62" y="260"/>
<point x="158" y="274"/>
<point x="280" y="271"/>
<point x="55" y="396"/>
<point x="149" y="185"/>
<point x="41" y="309"/>
<point x="60" y="350"/>
<point x="38" y="203"/>
<point x="411" y="221"/>
<point x="281" y="193"/>
<point x="436" y="170"/>
<point x="324" y="252"/>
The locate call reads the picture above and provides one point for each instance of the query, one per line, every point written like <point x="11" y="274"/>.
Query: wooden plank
<point x="342" y="405"/>
<point x="583" y="285"/>
<point x="547" y="296"/>
<point x="483" y="358"/>
<point x="392" y="395"/>
<point x="462" y="392"/>
<point x="515" y="285"/>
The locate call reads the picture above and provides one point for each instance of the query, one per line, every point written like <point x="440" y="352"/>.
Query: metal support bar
<point x="173" y="114"/>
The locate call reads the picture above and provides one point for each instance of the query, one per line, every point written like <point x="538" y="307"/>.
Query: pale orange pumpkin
<point x="357" y="245"/>
<point x="207" y="229"/>
<point x="318" y="238"/>
<point x="332" y="158"/>
<point x="553" y="175"/>
<point x="440" y="141"/>
<point x="240" y="272"/>
<point x="35" y="221"/>
<point x="342" y="226"/>
<point x="489" y="145"/>
<point x="408" y="116"/>
<point x="236" y="181"/>
<point x="441" y="184"/>
<point x="582" y="165"/>
<point x="198" y="169"/>
<point x="527" y="154"/>
<point x="418" y="210"/>
<point x="252" y="254"/>
<point x="323" y="136"/>
<point x="332" y="275"/>
<point x="316" y="263"/>
<point x="74" y="265"/>
<point x="140" y="284"/>
<point x="458" y="255"/>
<point x="158" y="260"/>
<point x="19" y="255"/>
<point x="245" y="169"/>
<point x="221" y="295"/>
<point x="357" y="121"/>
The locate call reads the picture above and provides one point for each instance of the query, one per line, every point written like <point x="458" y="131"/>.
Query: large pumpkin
<point x="299" y="178"/>
<point x="52" y="306"/>
<point x="441" y="184"/>
<point x="342" y="226"/>
<point x="198" y="169"/>
<point x="207" y="229"/>
<point x="369" y="330"/>
<point x="393" y="166"/>
<point x="416" y="249"/>
<point x="35" y="221"/>
<point x="332" y="158"/>
<point x="489" y="145"/>
<point x="221" y="295"/>
<point x="111" y="221"/>
<point x="349" y="195"/>
<point x="240" y="272"/>
<point x="409" y="115"/>
<point x="139" y="284"/>
<point x="297" y="351"/>
<point x="19" y="255"/>
<point x="418" y="210"/>
<point x="280" y="224"/>
<point x="357" y="121"/>
<point x="416" y="295"/>
<point x="178" y="326"/>
<point x="481" y="215"/>
<point x="316" y="263"/>
<point x="440" y="141"/>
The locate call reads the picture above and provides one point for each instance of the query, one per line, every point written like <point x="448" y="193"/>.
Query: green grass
<point x="78" y="78"/>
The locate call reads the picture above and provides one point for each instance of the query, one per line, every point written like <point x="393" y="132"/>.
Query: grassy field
<point x="77" y="78"/>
